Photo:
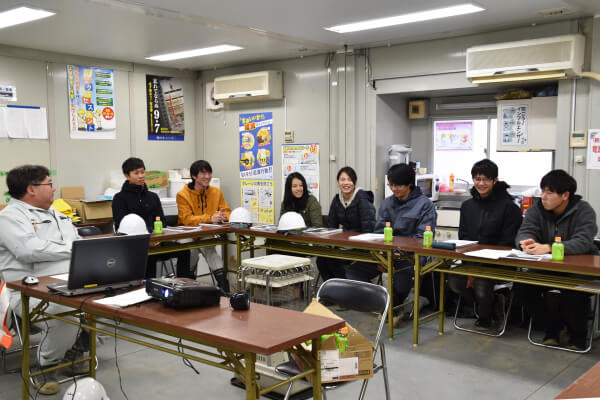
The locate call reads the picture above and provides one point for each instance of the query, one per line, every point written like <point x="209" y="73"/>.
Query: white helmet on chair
<point x="86" y="389"/>
<point x="291" y="222"/>
<point x="133" y="224"/>
<point x="240" y="218"/>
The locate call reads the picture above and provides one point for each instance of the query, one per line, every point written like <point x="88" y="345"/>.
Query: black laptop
<point x="105" y="263"/>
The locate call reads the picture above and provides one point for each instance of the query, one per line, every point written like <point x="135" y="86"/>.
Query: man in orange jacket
<point x="199" y="203"/>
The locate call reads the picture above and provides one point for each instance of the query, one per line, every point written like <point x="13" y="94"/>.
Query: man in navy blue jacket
<point x="135" y="198"/>
<point x="409" y="212"/>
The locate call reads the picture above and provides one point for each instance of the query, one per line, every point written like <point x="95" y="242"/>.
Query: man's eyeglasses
<point x="482" y="180"/>
<point x="43" y="184"/>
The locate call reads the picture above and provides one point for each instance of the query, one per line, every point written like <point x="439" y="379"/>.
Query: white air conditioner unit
<point x="264" y="85"/>
<point x="555" y="57"/>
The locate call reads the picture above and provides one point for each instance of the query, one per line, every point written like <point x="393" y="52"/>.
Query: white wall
<point x="40" y="78"/>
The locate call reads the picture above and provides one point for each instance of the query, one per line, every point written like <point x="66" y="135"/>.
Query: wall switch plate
<point x="579" y="159"/>
<point x="288" y="136"/>
<point x="578" y="139"/>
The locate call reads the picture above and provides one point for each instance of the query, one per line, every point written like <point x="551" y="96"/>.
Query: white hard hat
<point x="86" y="389"/>
<point x="291" y="221"/>
<point x="133" y="224"/>
<point x="240" y="218"/>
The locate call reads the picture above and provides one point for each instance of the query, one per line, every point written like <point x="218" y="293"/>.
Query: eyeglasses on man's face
<point x="51" y="184"/>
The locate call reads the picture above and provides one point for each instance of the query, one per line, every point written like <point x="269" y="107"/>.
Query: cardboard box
<point x="2" y="206"/>
<point x="88" y="210"/>
<point x="337" y="366"/>
<point x="157" y="179"/>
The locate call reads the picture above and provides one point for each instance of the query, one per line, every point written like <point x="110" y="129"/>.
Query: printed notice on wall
<point x="257" y="197"/>
<point x="91" y="102"/>
<point x="302" y="158"/>
<point x="256" y="146"/>
<point x="593" y="151"/>
<point x="454" y="135"/>
<point x="164" y="100"/>
<point x="514" y="124"/>
<point x="8" y="93"/>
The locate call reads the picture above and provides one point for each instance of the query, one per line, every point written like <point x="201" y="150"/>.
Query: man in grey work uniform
<point x="35" y="239"/>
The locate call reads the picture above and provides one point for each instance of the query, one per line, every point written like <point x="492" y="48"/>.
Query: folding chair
<point x="357" y="296"/>
<point x="13" y="324"/>
<point x="590" y="331"/>
<point x="506" y="314"/>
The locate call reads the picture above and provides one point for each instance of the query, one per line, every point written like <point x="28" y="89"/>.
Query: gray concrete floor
<point x="456" y="365"/>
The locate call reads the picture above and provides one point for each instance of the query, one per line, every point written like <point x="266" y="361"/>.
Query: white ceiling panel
<point x="130" y="31"/>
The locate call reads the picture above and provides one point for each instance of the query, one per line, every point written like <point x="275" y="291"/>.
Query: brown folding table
<point x="233" y="337"/>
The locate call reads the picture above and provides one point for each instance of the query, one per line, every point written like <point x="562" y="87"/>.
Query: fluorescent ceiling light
<point x="22" y="15"/>
<point x="445" y="12"/>
<point x="195" y="53"/>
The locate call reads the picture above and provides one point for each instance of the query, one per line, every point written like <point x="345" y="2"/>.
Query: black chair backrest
<point x="171" y="220"/>
<point x="354" y="295"/>
<point x="89" y="231"/>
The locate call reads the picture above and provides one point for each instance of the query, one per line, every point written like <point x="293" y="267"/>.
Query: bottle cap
<point x="557" y="239"/>
<point x="428" y="228"/>
<point x="158" y="218"/>
<point x="344" y="330"/>
<point x="388" y="223"/>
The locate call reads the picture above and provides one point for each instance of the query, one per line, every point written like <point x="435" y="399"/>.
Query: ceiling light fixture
<point x="428" y="15"/>
<point x="223" y="48"/>
<point x="22" y="15"/>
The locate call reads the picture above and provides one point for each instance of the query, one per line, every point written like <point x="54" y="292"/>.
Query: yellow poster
<point x="257" y="197"/>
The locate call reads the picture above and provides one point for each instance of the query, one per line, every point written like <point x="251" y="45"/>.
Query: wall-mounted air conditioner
<point x="263" y="85"/>
<point x="555" y="57"/>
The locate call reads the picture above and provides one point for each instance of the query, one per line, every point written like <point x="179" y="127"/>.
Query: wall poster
<point x="593" y="150"/>
<point x="514" y="124"/>
<point x="164" y="99"/>
<point x="256" y="146"/>
<point x="302" y="158"/>
<point x="91" y="102"/>
<point x="257" y="197"/>
<point x="454" y="135"/>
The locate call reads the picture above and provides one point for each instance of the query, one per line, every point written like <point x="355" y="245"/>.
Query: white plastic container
<point x="175" y="185"/>
<point x="169" y="205"/>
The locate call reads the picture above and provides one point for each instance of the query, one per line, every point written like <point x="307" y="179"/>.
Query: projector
<point x="183" y="292"/>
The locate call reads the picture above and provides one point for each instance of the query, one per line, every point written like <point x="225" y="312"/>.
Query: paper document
<point x="322" y="231"/>
<point x="488" y="253"/>
<point x="126" y="299"/>
<point x="367" y="236"/>
<point x="264" y="227"/>
<point x="62" y="277"/>
<point x="461" y="243"/>
<point x="521" y="255"/>
<point x="180" y="229"/>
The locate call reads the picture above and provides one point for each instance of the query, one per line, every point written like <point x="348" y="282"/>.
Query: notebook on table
<point x="105" y="263"/>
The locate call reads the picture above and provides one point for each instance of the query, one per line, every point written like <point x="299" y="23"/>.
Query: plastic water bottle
<point x="427" y="237"/>
<point x="558" y="249"/>
<point x="388" y="232"/>
<point x="158" y="226"/>
<point x="451" y="182"/>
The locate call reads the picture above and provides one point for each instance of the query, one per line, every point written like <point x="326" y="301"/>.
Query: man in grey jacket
<point x="559" y="213"/>
<point x="36" y="240"/>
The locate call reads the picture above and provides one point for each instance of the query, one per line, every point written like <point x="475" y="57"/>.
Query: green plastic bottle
<point x="427" y="237"/>
<point x="158" y="226"/>
<point x="388" y="232"/>
<point x="558" y="249"/>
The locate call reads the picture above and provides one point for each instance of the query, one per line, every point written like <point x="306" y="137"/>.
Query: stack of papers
<point x="264" y="227"/>
<point x="322" y="231"/>
<point x="180" y="229"/>
<point x="514" y="253"/>
<point x="125" y="299"/>
<point x="367" y="236"/>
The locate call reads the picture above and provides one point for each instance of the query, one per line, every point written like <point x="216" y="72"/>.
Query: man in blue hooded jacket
<point x="409" y="212"/>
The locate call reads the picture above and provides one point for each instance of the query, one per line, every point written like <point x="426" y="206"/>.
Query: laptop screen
<point x="108" y="260"/>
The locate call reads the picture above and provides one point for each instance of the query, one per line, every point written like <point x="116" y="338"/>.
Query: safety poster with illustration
<point x="256" y="146"/>
<point x="91" y="102"/>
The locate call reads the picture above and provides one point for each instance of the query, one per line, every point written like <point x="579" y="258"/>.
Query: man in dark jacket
<point x="135" y="198"/>
<point x="489" y="217"/>
<point x="559" y="213"/>
<point x="409" y="212"/>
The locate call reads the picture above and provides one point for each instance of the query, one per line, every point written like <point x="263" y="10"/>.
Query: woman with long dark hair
<point x="297" y="198"/>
